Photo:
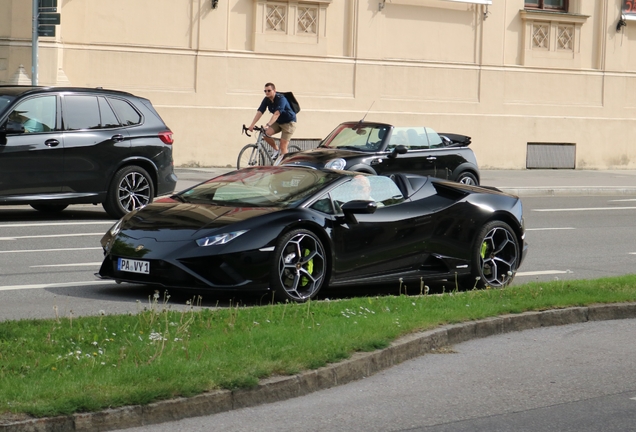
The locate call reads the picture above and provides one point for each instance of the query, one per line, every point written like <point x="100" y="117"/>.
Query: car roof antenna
<point x="365" y="116"/>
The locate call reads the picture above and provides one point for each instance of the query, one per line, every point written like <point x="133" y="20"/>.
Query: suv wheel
<point x="130" y="189"/>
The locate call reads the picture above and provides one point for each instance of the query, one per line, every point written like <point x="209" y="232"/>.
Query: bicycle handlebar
<point x="258" y="128"/>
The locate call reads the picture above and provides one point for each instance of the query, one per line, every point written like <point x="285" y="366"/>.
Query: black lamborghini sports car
<point x="295" y="230"/>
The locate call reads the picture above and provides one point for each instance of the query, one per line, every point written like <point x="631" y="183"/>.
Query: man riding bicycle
<point x="283" y="119"/>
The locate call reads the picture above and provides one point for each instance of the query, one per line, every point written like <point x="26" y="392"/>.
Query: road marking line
<point x="549" y="229"/>
<point x="48" y="224"/>
<point x="542" y="272"/>
<point x="68" y="265"/>
<point x="634" y="398"/>
<point x="51" y="236"/>
<point x="623" y="200"/>
<point x="584" y="209"/>
<point x="51" y="250"/>
<point x="53" y="285"/>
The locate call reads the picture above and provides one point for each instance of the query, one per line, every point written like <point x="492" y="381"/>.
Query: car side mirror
<point x="352" y="208"/>
<point x="400" y="149"/>
<point x="11" y="127"/>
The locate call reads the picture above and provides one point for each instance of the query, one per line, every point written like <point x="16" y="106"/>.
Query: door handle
<point x="431" y="158"/>
<point x="51" y="143"/>
<point x="376" y="161"/>
<point x="117" y="138"/>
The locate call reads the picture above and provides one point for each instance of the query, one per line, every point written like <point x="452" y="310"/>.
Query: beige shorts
<point x="287" y="128"/>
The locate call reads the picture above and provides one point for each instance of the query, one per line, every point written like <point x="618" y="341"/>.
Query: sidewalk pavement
<point x="535" y="182"/>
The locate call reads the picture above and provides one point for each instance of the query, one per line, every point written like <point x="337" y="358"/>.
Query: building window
<point x="555" y="5"/>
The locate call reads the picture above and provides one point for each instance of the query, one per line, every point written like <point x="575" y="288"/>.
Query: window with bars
<point x="555" y="5"/>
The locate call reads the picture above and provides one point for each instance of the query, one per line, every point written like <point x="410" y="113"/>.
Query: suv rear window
<point x="128" y="116"/>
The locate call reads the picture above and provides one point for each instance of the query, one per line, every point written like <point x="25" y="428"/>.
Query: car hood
<point x="320" y="156"/>
<point x="172" y="221"/>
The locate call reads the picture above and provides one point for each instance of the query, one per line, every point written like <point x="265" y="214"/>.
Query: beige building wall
<point x="501" y="74"/>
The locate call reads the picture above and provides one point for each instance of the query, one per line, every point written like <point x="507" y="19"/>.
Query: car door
<point x="95" y="143"/>
<point x="386" y="242"/>
<point x="419" y="159"/>
<point x="32" y="162"/>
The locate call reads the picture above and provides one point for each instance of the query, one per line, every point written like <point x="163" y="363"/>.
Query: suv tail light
<point x="166" y="137"/>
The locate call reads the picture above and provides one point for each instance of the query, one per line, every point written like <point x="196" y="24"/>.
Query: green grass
<point x="79" y="364"/>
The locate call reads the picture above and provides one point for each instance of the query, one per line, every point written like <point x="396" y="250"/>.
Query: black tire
<point x="299" y="267"/>
<point x="49" y="208"/>
<point x="467" y="178"/>
<point x="130" y="189"/>
<point x="251" y="155"/>
<point x="496" y="255"/>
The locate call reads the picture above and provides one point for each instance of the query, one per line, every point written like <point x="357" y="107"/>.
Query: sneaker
<point x="275" y="155"/>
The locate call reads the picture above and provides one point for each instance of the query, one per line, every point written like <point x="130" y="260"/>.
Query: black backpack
<point x="292" y="101"/>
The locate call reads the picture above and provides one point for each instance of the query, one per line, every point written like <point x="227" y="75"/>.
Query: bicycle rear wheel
<point x="250" y="155"/>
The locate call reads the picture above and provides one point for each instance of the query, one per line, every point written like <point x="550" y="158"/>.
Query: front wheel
<point x="130" y="189"/>
<point x="250" y="155"/>
<point x="299" y="267"/>
<point x="467" y="178"/>
<point x="495" y="255"/>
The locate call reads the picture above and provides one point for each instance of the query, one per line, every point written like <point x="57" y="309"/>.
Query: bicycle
<point x="259" y="153"/>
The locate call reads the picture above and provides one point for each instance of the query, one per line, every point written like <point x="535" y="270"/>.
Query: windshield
<point x="5" y="101"/>
<point x="356" y="137"/>
<point x="280" y="187"/>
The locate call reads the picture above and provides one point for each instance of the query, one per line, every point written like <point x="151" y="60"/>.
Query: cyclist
<point x="283" y="119"/>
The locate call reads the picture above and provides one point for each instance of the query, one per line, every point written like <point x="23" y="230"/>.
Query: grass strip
<point x="81" y="364"/>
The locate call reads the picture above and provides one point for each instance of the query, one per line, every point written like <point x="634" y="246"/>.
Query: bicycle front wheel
<point x="250" y="155"/>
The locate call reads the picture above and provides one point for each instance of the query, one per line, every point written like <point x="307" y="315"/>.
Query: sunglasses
<point x="267" y="91"/>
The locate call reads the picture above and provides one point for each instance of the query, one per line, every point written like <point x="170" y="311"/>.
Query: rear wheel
<point x="49" y="208"/>
<point x="468" y="178"/>
<point x="299" y="268"/>
<point x="495" y="255"/>
<point x="250" y="155"/>
<point x="130" y="189"/>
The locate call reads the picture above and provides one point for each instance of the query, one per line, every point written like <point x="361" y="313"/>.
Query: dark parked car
<point x="380" y="148"/>
<point x="61" y="146"/>
<point x="295" y="230"/>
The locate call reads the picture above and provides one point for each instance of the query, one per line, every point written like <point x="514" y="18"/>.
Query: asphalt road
<point x="47" y="265"/>
<point x="574" y="378"/>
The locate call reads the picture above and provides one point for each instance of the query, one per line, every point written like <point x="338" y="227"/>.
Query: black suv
<point x="61" y="146"/>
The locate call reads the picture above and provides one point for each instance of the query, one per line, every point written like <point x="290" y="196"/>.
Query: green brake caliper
<point x="484" y="248"/>
<point x="310" y="268"/>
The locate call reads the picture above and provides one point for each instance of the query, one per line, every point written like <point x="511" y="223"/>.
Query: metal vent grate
<point x="551" y="155"/>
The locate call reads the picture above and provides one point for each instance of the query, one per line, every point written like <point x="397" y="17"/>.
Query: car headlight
<point x="219" y="239"/>
<point x="338" y="164"/>
<point x="115" y="229"/>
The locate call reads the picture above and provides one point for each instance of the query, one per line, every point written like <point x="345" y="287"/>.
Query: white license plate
<point x="133" y="266"/>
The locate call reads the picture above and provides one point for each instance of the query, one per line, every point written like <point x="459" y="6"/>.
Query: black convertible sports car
<point x="295" y="230"/>
<point x="380" y="148"/>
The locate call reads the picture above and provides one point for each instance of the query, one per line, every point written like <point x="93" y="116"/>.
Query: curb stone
<point x="358" y="366"/>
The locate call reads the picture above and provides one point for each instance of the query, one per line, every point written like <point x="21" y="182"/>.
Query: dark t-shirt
<point x="280" y="103"/>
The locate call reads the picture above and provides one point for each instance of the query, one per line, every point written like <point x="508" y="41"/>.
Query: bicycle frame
<point x="259" y="153"/>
